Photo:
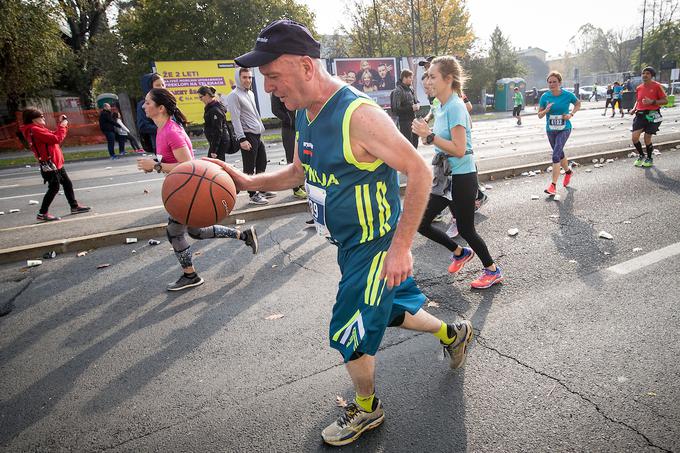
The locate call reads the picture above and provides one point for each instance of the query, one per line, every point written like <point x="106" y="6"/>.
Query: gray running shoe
<point x="350" y="425"/>
<point x="251" y="239"/>
<point x="185" y="282"/>
<point x="457" y="350"/>
<point x="268" y="194"/>
<point x="258" y="199"/>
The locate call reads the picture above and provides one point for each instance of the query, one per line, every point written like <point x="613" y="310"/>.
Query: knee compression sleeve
<point x="215" y="231"/>
<point x="175" y="232"/>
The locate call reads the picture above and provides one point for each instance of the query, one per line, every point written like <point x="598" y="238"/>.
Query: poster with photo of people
<point x="373" y="76"/>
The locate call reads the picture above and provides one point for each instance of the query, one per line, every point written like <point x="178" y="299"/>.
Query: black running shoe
<point x="185" y="282"/>
<point x="251" y="239"/>
<point x="80" y="209"/>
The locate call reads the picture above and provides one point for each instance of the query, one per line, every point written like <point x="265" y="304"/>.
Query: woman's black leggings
<point x="463" y="206"/>
<point x="53" y="180"/>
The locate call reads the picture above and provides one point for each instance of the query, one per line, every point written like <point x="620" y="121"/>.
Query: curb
<point x="117" y="237"/>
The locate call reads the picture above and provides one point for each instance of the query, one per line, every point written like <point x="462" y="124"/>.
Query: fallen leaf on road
<point x="433" y="304"/>
<point x="274" y="316"/>
<point x="340" y="401"/>
<point x="198" y="253"/>
<point x="102" y="266"/>
<point x="651" y="393"/>
<point x="146" y="191"/>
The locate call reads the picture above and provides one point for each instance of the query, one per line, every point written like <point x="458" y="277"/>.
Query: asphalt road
<point x="576" y="351"/>
<point x="122" y="197"/>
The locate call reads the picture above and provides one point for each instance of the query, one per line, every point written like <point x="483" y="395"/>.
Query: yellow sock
<point x="365" y="402"/>
<point x="443" y="334"/>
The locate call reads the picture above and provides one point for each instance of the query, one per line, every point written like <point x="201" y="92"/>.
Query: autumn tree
<point x="31" y="49"/>
<point x="151" y="30"/>
<point x="502" y="59"/>
<point x="662" y="44"/>
<point x="383" y="27"/>
<point x="86" y="26"/>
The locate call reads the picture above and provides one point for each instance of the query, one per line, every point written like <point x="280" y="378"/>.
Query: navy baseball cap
<point x="281" y="37"/>
<point x="426" y="60"/>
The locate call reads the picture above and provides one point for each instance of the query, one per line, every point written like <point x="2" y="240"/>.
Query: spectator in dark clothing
<point x="287" y="118"/>
<point x="404" y="105"/>
<point x="108" y="127"/>
<point x="45" y="146"/>
<point x="146" y="127"/>
<point x="123" y="134"/>
<point x="215" y="123"/>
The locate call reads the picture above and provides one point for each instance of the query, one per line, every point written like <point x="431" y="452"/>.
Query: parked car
<point x="586" y="92"/>
<point x="675" y="89"/>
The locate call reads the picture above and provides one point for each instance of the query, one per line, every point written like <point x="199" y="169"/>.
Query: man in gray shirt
<point x="248" y="128"/>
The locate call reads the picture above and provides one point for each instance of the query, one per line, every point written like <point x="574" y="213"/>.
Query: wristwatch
<point x="429" y="139"/>
<point x="158" y="167"/>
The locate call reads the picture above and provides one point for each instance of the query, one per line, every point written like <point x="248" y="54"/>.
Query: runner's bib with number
<point x="556" y="122"/>
<point x="316" y="198"/>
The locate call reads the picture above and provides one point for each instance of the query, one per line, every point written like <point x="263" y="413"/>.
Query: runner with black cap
<point x="647" y="111"/>
<point x="348" y="152"/>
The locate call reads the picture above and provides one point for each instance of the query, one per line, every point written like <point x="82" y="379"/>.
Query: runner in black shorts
<point x="650" y="97"/>
<point x="609" y="100"/>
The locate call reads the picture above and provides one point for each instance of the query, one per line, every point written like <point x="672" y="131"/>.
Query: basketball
<point x="198" y="193"/>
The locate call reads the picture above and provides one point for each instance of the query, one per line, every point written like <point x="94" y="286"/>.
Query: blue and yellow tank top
<point x="352" y="202"/>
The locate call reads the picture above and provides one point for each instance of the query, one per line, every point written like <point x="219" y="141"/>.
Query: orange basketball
<point x="198" y="193"/>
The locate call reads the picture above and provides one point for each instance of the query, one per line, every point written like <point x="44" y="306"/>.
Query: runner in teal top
<point x="559" y="107"/>
<point x="455" y="174"/>
<point x="618" y="89"/>
<point x="554" y="105"/>
<point x="348" y="152"/>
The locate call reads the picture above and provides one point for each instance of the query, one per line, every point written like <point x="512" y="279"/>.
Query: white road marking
<point x="86" y="188"/>
<point x="645" y="260"/>
<point x="92" y="216"/>
<point x="9" y="187"/>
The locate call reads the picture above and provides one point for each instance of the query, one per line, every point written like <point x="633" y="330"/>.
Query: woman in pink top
<point x="172" y="148"/>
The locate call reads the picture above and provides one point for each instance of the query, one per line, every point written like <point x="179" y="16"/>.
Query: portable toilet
<point x="106" y="98"/>
<point x="505" y="90"/>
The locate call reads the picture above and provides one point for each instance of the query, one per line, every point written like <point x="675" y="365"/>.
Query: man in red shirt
<point x="650" y="98"/>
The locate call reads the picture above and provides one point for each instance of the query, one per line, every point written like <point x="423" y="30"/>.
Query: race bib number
<point x="316" y="198"/>
<point x="654" y="116"/>
<point x="556" y="122"/>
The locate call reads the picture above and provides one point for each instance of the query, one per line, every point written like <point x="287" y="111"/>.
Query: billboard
<point x="373" y="76"/>
<point x="183" y="78"/>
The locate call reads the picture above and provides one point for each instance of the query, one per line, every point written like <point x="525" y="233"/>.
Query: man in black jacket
<point x="404" y="105"/>
<point x="107" y="126"/>
<point x="287" y="118"/>
<point x="220" y="141"/>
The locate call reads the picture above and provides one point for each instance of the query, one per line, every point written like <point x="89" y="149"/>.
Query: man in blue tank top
<point x="348" y="152"/>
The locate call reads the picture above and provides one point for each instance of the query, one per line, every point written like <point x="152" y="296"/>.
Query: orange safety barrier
<point x="83" y="129"/>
